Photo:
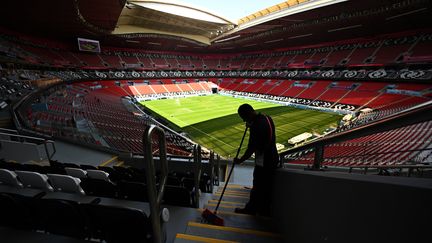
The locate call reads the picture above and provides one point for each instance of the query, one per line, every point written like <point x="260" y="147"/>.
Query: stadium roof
<point x="170" y="18"/>
<point x="284" y="9"/>
<point x="271" y="10"/>
<point x="173" y="26"/>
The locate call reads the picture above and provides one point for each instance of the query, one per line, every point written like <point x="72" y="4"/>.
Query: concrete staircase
<point x="237" y="227"/>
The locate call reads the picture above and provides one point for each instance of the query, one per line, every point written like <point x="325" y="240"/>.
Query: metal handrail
<point x="53" y="148"/>
<point x="155" y="196"/>
<point x="218" y="160"/>
<point x="197" y="173"/>
<point x="24" y="136"/>
<point x="5" y="130"/>
<point x="212" y="170"/>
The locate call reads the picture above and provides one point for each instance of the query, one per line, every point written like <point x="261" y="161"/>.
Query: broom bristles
<point x="212" y="218"/>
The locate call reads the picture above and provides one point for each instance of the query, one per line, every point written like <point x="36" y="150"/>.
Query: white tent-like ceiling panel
<point x="170" y="18"/>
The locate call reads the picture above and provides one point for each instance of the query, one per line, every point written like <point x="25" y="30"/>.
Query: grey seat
<point x="98" y="174"/>
<point x="9" y="178"/>
<point x="75" y="172"/>
<point x="34" y="180"/>
<point x="66" y="183"/>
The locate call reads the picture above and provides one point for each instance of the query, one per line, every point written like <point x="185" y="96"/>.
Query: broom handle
<point x="229" y="175"/>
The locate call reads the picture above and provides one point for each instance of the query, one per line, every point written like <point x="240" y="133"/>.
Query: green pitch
<point x="212" y="121"/>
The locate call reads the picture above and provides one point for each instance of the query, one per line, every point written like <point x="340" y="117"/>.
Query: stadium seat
<point x="62" y="217"/>
<point x="125" y="172"/>
<point x="76" y="172"/>
<point x="101" y="188"/>
<point x="189" y="183"/>
<point x="173" y="181"/>
<point x="88" y="167"/>
<point x="66" y="183"/>
<point x="98" y="174"/>
<point x="55" y="169"/>
<point x="15" y="212"/>
<point x="176" y="195"/>
<point x="9" y="178"/>
<point x="113" y="174"/>
<point x="130" y="190"/>
<point x="33" y="167"/>
<point x="118" y="224"/>
<point x="138" y="175"/>
<point x="70" y="165"/>
<point x="10" y="165"/>
<point x="34" y="180"/>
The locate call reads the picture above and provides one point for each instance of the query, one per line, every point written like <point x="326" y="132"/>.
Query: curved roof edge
<point x="194" y="11"/>
<point x="284" y="9"/>
<point x="270" y="10"/>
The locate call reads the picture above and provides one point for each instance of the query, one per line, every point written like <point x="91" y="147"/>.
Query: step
<point x="232" y="233"/>
<point x="238" y="204"/>
<point x="182" y="238"/>
<point x="231" y="198"/>
<point x="224" y="207"/>
<point x="234" y="193"/>
<point x="246" y="221"/>
<point x="234" y="189"/>
<point x="235" y="186"/>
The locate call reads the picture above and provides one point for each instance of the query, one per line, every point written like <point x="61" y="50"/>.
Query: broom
<point x="210" y="216"/>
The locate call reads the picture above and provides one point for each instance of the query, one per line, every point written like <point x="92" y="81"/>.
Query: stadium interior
<point x="118" y="120"/>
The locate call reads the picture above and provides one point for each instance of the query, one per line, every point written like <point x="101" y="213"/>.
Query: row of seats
<point x="12" y="87"/>
<point x="117" y="174"/>
<point x="402" y="146"/>
<point x="95" y="183"/>
<point x="79" y="217"/>
<point x="140" y="90"/>
<point x="80" y="106"/>
<point x="359" y="94"/>
<point x="362" y="52"/>
<point x="116" y="182"/>
<point x="49" y="182"/>
<point x="369" y="116"/>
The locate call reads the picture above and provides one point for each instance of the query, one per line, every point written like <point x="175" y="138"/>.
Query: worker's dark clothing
<point x="262" y="140"/>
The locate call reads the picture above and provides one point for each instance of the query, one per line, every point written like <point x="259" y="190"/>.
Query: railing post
<point x="197" y="173"/>
<point x="155" y="196"/>
<point x="319" y="155"/>
<point x="281" y="161"/>
<point x="212" y="165"/>
<point x="218" y="168"/>
<point x="49" y="156"/>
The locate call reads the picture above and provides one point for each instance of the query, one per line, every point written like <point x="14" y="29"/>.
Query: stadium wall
<point x="314" y="206"/>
